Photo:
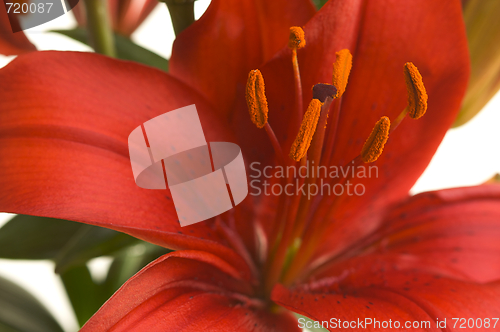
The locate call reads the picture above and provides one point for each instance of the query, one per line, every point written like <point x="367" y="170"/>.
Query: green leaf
<point x="30" y="237"/>
<point x="87" y="296"/>
<point x="483" y="32"/>
<point x="181" y="14"/>
<point x="126" y="49"/>
<point x="21" y="312"/>
<point x="83" y="293"/>
<point x="129" y="262"/>
<point x="67" y="243"/>
<point x="319" y="3"/>
<point x="5" y="328"/>
<point x="90" y="242"/>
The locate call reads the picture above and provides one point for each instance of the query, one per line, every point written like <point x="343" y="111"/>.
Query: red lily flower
<point x="12" y="43"/>
<point x="65" y="121"/>
<point x="125" y="16"/>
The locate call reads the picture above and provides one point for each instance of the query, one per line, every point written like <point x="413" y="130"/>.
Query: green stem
<point x="181" y="13"/>
<point x="100" y="33"/>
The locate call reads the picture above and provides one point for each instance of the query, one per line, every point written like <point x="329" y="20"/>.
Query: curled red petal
<point x="332" y="310"/>
<point x="12" y="43"/>
<point x="128" y="15"/>
<point x="190" y="294"/>
<point x="64" y="126"/>
<point x="459" y="227"/>
<point x="393" y="286"/>
<point x="448" y="230"/>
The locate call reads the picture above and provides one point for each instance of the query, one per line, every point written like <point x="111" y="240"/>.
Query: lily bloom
<point x="65" y="118"/>
<point x="12" y="43"/>
<point x="125" y="16"/>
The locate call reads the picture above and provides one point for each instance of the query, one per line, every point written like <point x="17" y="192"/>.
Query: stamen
<point x="341" y="70"/>
<point x="374" y="145"/>
<point x="417" y="96"/>
<point x="314" y="157"/>
<point x="258" y="109"/>
<point x="297" y="39"/>
<point x="306" y="131"/>
<point x="256" y="98"/>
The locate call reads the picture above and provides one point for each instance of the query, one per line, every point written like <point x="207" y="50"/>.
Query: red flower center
<point x="301" y="220"/>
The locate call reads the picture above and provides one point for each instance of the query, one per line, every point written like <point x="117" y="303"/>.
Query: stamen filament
<point x="274" y="264"/>
<point x="298" y="85"/>
<point x="332" y="132"/>
<point x="238" y="245"/>
<point x="371" y="151"/>
<point x="290" y="242"/>
<point x="319" y="136"/>
<point x="315" y="155"/>
<point x="398" y="120"/>
<point x="316" y="230"/>
<point x="276" y="145"/>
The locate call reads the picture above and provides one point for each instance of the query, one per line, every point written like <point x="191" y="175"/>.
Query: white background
<point x="467" y="156"/>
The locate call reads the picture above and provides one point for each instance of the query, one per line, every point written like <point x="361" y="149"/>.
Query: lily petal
<point x="458" y="227"/>
<point x="332" y="310"/>
<point x="64" y="127"/>
<point x="185" y="294"/>
<point x="453" y="231"/>
<point x="131" y="14"/>
<point x="12" y="43"/>
<point x="454" y="228"/>
<point x="399" y="296"/>
<point x="215" y="54"/>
